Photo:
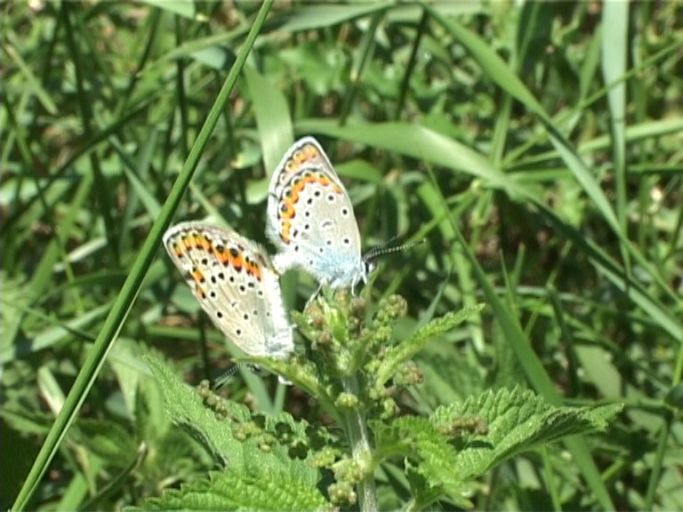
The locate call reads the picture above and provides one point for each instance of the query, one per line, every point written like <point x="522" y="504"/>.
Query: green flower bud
<point x="358" y="307"/>
<point x="409" y="374"/>
<point x="346" y="400"/>
<point x="324" y="338"/>
<point x="382" y="334"/>
<point x="317" y="319"/>
<point x="341" y="493"/>
<point x="461" y="427"/>
<point x="325" y="457"/>
<point x="348" y="471"/>
<point x="389" y="408"/>
<point x="204" y="389"/>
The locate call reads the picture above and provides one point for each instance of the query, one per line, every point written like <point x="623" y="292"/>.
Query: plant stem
<point x="357" y="433"/>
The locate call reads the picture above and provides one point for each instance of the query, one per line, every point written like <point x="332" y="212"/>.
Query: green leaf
<point x="233" y="491"/>
<point x="398" y="355"/>
<point x="517" y="421"/>
<point x="254" y="478"/>
<point x="309" y="17"/>
<point x="185" y="8"/>
<point x="272" y="119"/>
<point x="417" y="438"/>
<point x="217" y="57"/>
<point x="423" y="144"/>
<point x="186" y="407"/>
<point x="52" y="335"/>
<point x="462" y="441"/>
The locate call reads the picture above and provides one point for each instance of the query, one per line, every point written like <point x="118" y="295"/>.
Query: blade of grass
<point x="55" y="334"/>
<point x="423" y="144"/>
<point x="41" y="279"/>
<point x="633" y="133"/>
<point x="149" y="35"/>
<point x="412" y="60"/>
<point x="131" y="286"/>
<point x="428" y="146"/>
<point x="309" y="17"/>
<point x="462" y="268"/>
<point x="84" y="102"/>
<point x="614" y="51"/>
<point x="135" y="172"/>
<point x="273" y="120"/>
<point x="501" y="74"/>
<point x="567" y="115"/>
<point x="32" y="83"/>
<point x="180" y="7"/>
<point x="82" y="151"/>
<point x="181" y="93"/>
<point x="57" y="247"/>
<point x="365" y="52"/>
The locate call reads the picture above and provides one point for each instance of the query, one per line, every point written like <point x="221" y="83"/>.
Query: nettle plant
<point x="351" y="363"/>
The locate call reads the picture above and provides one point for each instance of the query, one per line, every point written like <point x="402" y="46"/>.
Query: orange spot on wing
<point x="288" y="212"/>
<point x="202" y="241"/>
<point x="253" y="270"/>
<point x="198" y="276"/>
<point x="301" y="157"/>
<point x="222" y="256"/>
<point x="311" y="152"/>
<point x="237" y="262"/>
<point x="256" y="271"/>
<point x="286" y="227"/>
<point x="300" y="185"/>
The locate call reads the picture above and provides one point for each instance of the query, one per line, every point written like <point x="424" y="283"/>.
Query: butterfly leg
<point x="313" y="297"/>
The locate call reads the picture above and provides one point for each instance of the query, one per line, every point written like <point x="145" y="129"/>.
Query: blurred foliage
<point x="547" y="135"/>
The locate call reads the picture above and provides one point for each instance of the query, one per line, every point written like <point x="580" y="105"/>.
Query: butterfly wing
<point x="234" y="282"/>
<point x="303" y="153"/>
<point x="314" y="226"/>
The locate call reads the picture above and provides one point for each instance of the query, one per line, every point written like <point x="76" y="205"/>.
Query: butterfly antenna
<point x="384" y="250"/>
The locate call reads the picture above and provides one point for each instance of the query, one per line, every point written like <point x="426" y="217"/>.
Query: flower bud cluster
<point x="342" y="493"/>
<point x="409" y="375"/>
<point x="212" y="400"/>
<point x="325" y="457"/>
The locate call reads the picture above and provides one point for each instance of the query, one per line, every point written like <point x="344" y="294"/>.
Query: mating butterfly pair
<point x="311" y="221"/>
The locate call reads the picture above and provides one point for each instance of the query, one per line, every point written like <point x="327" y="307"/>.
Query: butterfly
<point x="310" y="219"/>
<point x="235" y="283"/>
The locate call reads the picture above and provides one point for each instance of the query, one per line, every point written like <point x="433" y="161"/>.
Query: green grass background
<point x="537" y="147"/>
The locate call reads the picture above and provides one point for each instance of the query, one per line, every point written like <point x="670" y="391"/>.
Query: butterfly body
<point x="310" y="218"/>
<point x="234" y="281"/>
